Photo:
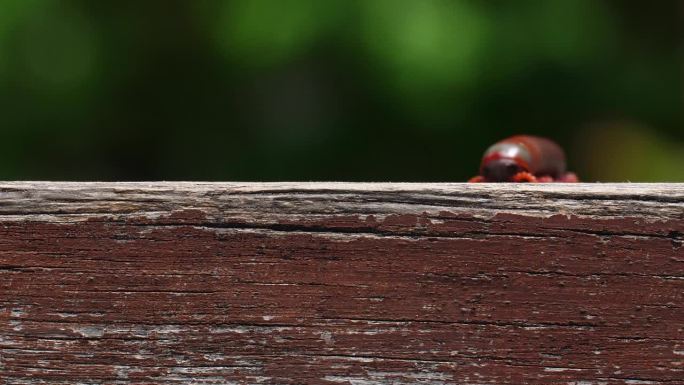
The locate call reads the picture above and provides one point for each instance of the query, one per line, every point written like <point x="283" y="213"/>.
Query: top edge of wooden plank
<point x="269" y="202"/>
<point x="356" y="186"/>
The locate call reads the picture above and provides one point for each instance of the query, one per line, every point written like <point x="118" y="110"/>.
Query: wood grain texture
<point x="341" y="283"/>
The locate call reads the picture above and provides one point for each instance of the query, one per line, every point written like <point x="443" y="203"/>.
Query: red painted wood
<point x="342" y="299"/>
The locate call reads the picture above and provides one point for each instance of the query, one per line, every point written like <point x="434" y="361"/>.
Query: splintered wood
<point x="341" y="283"/>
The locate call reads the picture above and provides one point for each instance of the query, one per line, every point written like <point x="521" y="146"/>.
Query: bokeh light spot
<point x="265" y="33"/>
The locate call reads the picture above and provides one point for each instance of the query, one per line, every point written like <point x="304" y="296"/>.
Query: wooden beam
<point x="341" y="283"/>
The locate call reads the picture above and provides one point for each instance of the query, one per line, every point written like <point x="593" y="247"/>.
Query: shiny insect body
<point x="524" y="158"/>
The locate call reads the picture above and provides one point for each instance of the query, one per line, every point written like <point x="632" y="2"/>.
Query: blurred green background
<point x="373" y="90"/>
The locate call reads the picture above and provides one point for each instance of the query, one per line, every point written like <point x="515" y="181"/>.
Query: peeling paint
<point x="352" y="284"/>
<point x="89" y="331"/>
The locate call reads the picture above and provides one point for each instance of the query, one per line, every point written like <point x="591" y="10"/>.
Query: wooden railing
<point x="341" y="283"/>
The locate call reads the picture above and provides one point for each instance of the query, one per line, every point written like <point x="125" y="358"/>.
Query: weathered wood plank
<point x="341" y="283"/>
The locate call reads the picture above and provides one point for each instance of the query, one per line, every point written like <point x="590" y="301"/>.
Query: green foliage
<point x="425" y="44"/>
<point x="268" y="33"/>
<point x="334" y="89"/>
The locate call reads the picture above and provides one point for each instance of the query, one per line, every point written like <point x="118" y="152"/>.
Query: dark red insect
<point x="524" y="158"/>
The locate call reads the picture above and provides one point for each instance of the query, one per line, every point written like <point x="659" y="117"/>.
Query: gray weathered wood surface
<point x="341" y="283"/>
